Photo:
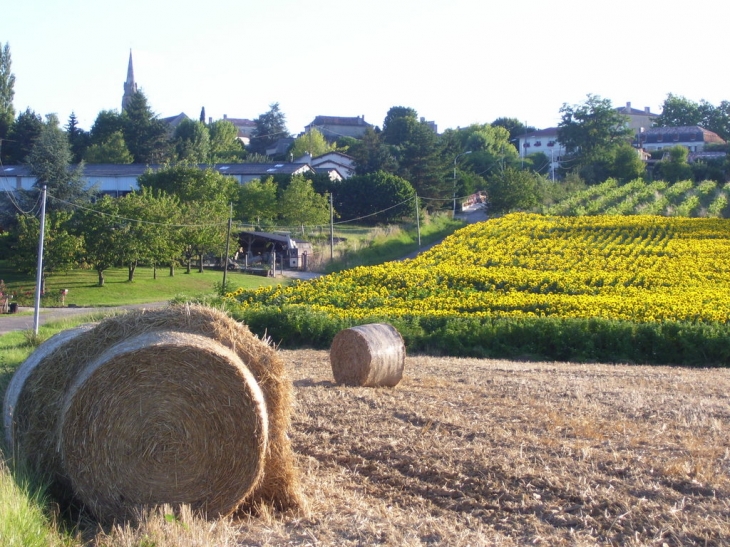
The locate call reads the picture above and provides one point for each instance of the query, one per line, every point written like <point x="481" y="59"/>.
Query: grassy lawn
<point x="83" y="289"/>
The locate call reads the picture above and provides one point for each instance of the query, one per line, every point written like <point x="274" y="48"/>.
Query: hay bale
<point x="17" y="382"/>
<point x="40" y="402"/>
<point x="164" y="417"/>
<point x="368" y="355"/>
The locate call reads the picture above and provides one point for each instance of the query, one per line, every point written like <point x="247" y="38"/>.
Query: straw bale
<point x="164" y="417"/>
<point x="368" y="355"/>
<point x="17" y="382"/>
<point x="40" y="402"/>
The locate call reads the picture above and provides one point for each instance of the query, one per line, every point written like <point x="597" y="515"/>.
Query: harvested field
<point x="483" y="452"/>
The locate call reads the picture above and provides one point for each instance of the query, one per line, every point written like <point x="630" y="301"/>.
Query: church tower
<point x="130" y="87"/>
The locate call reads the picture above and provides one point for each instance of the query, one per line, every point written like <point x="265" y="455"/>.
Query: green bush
<point x="539" y="338"/>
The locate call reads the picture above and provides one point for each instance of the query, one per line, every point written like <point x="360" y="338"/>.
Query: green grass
<point x="83" y="289"/>
<point x="392" y="247"/>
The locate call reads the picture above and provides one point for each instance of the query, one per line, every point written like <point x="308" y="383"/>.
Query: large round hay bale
<point x="164" y="417"/>
<point x="40" y="402"/>
<point x="368" y="355"/>
<point x="17" y="382"/>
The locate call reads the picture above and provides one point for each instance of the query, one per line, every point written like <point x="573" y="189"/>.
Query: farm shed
<point x="259" y="246"/>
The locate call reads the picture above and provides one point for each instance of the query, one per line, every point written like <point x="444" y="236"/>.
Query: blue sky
<point x="455" y="61"/>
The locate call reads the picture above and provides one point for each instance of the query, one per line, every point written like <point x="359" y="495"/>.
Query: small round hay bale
<point x="368" y="355"/>
<point x="17" y="383"/>
<point x="164" y="418"/>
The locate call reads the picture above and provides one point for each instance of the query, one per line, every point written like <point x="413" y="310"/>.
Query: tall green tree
<point x="678" y="111"/>
<point x="77" y="138"/>
<point x="371" y="154"/>
<point x="590" y="131"/>
<point x="513" y="189"/>
<point x="61" y="248"/>
<point x="626" y="163"/>
<point x="514" y="127"/>
<point x="7" y="92"/>
<point x="270" y="127"/>
<point x="145" y="134"/>
<point x="375" y="197"/>
<point x="312" y="143"/>
<point x="112" y="150"/>
<point x="23" y="133"/>
<point x="190" y="183"/>
<point x="674" y="167"/>
<point x="107" y="124"/>
<point x="300" y="205"/>
<point x="192" y="141"/>
<point x="399" y="125"/>
<point x="225" y="146"/>
<point x="591" y="127"/>
<point x="104" y="234"/>
<point x="50" y="160"/>
<point x="257" y="201"/>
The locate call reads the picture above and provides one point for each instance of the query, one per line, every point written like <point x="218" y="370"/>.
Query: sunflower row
<point x="636" y="268"/>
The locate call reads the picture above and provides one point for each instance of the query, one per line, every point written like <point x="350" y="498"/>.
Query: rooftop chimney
<point x="628" y="106"/>
<point x="647" y="110"/>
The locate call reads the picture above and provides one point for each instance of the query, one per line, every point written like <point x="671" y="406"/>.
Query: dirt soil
<point x="484" y="452"/>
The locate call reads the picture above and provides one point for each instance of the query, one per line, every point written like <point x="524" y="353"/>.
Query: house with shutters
<point x="694" y="137"/>
<point x="543" y="140"/>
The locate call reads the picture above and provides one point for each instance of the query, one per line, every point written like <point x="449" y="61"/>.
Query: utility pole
<point x="39" y="273"/>
<point x="228" y="243"/>
<point x="332" y="231"/>
<point x="453" y="214"/>
<point x="418" y="222"/>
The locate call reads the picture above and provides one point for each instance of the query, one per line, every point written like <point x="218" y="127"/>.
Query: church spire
<point x="130" y="87"/>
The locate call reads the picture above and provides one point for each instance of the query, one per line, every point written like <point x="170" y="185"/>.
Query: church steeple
<point x="130" y="87"/>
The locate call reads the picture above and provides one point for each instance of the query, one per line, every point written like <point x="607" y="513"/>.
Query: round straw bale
<point x="164" y="417"/>
<point x="17" y="382"/>
<point x="39" y="404"/>
<point x="368" y="355"/>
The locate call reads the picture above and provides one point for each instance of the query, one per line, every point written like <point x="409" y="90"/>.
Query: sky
<point x="456" y="62"/>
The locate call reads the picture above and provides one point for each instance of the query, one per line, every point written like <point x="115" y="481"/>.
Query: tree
<point x="50" y="161"/>
<point x="7" y="92"/>
<point x="146" y="135"/>
<point x="190" y="183"/>
<point x="388" y="196"/>
<point x="112" y="150"/>
<point x="61" y="248"/>
<point x="270" y="127"/>
<point x="627" y="165"/>
<point x="678" y="111"/>
<point x="104" y="234"/>
<point x="77" y="138"/>
<point x="312" y="143"/>
<point x="399" y="125"/>
<point x="300" y="205"/>
<point x="192" y="141"/>
<point x="513" y="189"/>
<point x="205" y="196"/>
<point x="675" y="167"/>
<point x="514" y="126"/>
<point x="107" y="124"/>
<point x="257" y="201"/>
<point x="371" y="154"/>
<point x="23" y="134"/>
<point x="591" y="127"/>
<point x="225" y="146"/>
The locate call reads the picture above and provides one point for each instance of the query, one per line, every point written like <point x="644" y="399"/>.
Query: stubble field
<point x="486" y="452"/>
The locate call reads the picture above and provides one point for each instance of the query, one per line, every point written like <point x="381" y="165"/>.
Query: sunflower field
<point x="568" y="284"/>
